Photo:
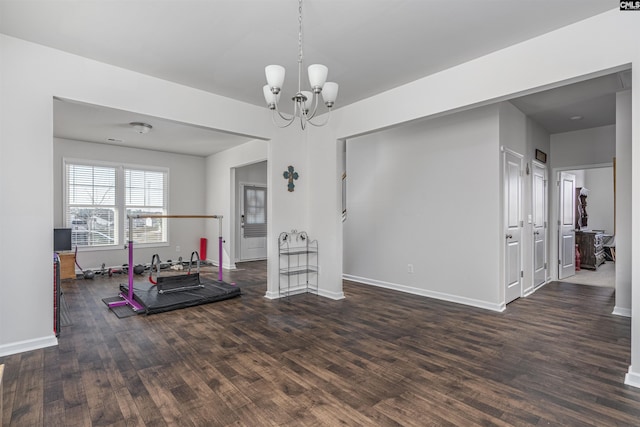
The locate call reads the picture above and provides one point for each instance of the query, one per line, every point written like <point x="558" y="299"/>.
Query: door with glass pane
<point x="253" y="222"/>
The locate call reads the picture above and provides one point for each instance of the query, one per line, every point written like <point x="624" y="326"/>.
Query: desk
<point x="67" y="265"/>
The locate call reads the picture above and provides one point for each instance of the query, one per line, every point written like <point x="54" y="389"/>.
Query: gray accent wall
<point x="424" y="197"/>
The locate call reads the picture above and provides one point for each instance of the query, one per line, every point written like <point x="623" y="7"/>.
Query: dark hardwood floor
<point x="378" y="357"/>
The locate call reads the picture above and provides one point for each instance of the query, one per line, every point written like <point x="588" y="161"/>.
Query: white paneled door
<point x="539" y="224"/>
<point x="566" y="225"/>
<point x="512" y="225"/>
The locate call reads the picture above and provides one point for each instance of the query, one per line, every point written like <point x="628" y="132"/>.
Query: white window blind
<point x="99" y="197"/>
<point x="91" y="204"/>
<point x="145" y="193"/>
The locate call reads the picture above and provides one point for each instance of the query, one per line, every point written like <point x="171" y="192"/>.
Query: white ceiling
<point x="592" y="102"/>
<point x="92" y="123"/>
<point x="222" y="46"/>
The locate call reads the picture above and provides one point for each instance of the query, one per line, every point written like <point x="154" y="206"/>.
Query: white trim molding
<point x="621" y="311"/>
<point x="28" y="345"/>
<point x="302" y="290"/>
<point x="632" y="378"/>
<point x="331" y="295"/>
<point x="426" y="293"/>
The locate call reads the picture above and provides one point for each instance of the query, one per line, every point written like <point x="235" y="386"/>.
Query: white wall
<point x="599" y="182"/>
<point x="221" y="194"/>
<point x="583" y="147"/>
<point x="579" y="174"/>
<point x="186" y="186"/>
<point x="255" y="173"/>
<point x="426" y="194"/>
<point x="623" y="202"/>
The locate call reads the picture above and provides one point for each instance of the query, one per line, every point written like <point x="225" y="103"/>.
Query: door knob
<point x="509" y="236"/>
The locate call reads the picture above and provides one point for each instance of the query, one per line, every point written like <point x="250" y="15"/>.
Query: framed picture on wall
<point x="541" y="156"/>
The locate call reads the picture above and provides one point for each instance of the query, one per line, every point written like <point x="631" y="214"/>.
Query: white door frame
<point x="514" y="233"/>
<point x="569" y="266"/>
<point x="238" y="232"/>
<point x="545" y="197"/>
<point x="554" y="211"/>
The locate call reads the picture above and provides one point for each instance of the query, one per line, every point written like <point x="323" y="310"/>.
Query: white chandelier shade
<point x="275" y="77"/>
<point x="317" y="75"/>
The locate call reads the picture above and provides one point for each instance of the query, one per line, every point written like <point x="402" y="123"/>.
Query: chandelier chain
<point x="299" y="44"/>
<point x="300" y="31"/>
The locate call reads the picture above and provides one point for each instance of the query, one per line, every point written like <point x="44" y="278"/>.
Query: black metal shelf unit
<point x="298" y="263"/>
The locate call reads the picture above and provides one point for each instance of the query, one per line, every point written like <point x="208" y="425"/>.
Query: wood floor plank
<point x="28" y="406"/>
<point x="378" y="357"/>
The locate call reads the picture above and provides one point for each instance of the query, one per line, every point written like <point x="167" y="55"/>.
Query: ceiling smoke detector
<point x="141" y="127"/>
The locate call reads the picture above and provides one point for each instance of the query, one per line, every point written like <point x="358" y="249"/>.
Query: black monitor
<point x="61" y="239"/>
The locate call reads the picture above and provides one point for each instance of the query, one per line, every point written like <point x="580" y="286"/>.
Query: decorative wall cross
<point x="290" y="175"/>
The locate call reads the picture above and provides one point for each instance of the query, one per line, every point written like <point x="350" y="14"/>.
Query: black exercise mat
<point x="121" y="311"/>
<point x="211" y="291"/>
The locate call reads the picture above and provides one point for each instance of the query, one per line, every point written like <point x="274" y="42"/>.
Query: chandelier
<point x="305" y="103"/>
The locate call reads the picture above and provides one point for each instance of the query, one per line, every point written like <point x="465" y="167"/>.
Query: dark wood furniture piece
<point x="590" y="245"/>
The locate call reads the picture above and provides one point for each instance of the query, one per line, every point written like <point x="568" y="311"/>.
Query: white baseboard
<point x="426" y="293"/>
<point x="226" y="266"/>
<point x="302" y="290"/>
<point x="331" y="295"/>
<point x="28" y="345"/>
<point x="272" y="295"/>
<point x="620" y="311"/>
<point x="632" y="378"/>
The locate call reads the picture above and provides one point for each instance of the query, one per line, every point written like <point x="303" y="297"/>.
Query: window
<point x="100" y="196"/>
<point x="255" y="211"/>
<point x="91" y="205"/>
<point x="145" y="194"/>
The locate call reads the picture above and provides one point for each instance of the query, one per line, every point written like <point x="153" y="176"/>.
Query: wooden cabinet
<point x="591" y="247"/>
<point x="67" y="265"/>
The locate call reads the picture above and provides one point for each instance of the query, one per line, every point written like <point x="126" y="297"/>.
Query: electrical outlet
<point x="177" y="248"/>
<point x="409" y="268"/>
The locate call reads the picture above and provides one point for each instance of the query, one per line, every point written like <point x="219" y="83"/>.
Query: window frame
<point x="120" y="236"/>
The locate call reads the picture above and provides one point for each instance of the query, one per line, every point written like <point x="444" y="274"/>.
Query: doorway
<point x="512" y="163"/>
<point x="539" y="224"/>
<point x="251" y="212"/>
<point x="593" y="215"/>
